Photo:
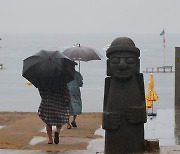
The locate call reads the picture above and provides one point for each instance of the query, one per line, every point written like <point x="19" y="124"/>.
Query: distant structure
<point x="162" y="69"/>
<point x="1" y="66"/>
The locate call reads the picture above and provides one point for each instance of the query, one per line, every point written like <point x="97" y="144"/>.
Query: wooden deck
<point x="162" y="69"/>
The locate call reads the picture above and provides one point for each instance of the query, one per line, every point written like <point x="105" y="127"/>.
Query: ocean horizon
<point x="15" y="95"/>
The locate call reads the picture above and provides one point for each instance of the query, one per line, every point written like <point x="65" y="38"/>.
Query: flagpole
<point x="164" y="58"/>
<point x="164" y="44"/>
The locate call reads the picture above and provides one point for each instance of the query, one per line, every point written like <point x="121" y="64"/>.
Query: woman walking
<point x="76" y="102"/>
<point x="54" y="110"/>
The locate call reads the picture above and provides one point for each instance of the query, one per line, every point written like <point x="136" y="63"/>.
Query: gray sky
<point x="127" y="16"/>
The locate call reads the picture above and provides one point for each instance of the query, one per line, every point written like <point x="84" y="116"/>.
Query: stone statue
<point x="124" y="111"/>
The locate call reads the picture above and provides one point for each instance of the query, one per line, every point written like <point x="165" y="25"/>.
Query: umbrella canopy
<point x="48" y="69"/>
<point x="151" y="93"/>
<point x="82" y="53"/>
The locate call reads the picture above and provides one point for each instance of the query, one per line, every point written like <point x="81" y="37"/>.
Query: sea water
<point x="15" y="95"/>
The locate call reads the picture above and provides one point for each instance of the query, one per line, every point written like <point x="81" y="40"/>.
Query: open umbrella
<point x="82" y="53"/>
<point x="48" y="69"/>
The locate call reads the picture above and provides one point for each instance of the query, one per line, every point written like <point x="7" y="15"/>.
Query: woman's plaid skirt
<point x="54" y="106"/>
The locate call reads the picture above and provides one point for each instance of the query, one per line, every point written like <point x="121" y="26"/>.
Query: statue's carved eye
<point x="115" y="60"/>
<point x="130" y="60"/>
<point x="127" y="60"/>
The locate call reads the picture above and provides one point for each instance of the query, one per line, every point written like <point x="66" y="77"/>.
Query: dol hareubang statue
<point x="124" y="111"/>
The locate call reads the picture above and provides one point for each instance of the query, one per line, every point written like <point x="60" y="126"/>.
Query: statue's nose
<point x="122" y="64"/>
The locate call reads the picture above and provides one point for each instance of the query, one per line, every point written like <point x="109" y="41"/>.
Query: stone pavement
<point x="165" y="128"/>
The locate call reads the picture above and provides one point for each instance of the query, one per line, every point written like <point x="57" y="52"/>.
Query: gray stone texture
<point x="124" y="111"/>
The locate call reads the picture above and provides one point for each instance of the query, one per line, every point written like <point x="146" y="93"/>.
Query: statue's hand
<point x="136" y="114"/>
<point x="111" y="120"/>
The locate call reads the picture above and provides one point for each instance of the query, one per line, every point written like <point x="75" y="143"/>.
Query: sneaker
<point x="74" y="124"/>
<point x="56" y="137"/>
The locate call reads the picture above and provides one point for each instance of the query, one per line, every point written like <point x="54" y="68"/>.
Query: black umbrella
<point x="82" y="53"/>
<point x="48" y="69"/>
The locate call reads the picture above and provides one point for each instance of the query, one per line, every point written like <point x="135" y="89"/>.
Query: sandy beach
<point x="17" y="129"/>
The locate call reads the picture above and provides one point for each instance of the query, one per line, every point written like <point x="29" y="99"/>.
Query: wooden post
<point x="177" y="76"/>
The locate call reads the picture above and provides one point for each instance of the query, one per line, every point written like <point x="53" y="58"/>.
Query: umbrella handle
<point x="79" y="66"/>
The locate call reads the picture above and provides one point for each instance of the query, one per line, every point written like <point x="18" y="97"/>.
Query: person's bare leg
<point x="68" y="124"/>
<point x="56" y="134"/>
<point x="49" y="132"/>
<point x="74" y="118"/>
<point x="58" y="129"/>
<point x="73" y="123"/>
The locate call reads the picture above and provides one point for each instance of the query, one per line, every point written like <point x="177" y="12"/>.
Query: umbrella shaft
<point x="79" y="66"/>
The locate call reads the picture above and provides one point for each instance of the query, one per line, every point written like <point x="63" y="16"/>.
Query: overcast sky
<point x="133" y="16"/>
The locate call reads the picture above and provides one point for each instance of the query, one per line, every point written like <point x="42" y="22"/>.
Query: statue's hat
<point x="123" y="44"/>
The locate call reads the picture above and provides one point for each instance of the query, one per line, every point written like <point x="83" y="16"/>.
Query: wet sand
<point x="19" y="128"/>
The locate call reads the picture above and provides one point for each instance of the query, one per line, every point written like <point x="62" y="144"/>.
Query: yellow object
<point x="28" y="83"/>
<point x="149" y="104"/>
<point x="151" y="93"/>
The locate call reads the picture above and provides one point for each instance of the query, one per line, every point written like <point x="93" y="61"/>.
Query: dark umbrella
<point x="48" y="69"/>
<point x="82" y="53"/>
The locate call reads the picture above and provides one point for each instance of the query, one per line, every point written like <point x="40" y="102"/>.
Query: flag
<point x="164" y="41"/>
<point x="163" y="32"/>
